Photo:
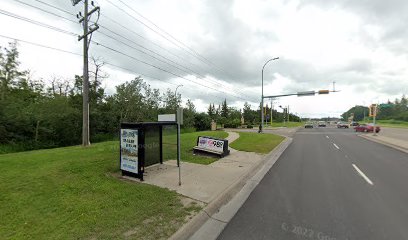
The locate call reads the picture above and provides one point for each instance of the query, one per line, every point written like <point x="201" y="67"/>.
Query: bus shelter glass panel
<point x="152" y="145"/>
<point x="169" y="142"/>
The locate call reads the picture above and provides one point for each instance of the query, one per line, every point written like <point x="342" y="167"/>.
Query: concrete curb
<point x="188" y="229"/>
<point x="385" y="143"/>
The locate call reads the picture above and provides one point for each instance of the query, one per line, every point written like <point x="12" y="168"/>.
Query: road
<point x="328" y="184"/>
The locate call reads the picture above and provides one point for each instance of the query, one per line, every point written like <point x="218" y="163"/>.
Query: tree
<point x="10" y="75"/>
<point x="211" y="111"/>
<point x="188" y="114"/>
<point x="170" y="101"/>
<point x="224" y="109"/>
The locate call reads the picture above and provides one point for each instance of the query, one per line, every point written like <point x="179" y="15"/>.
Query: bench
<point x="212" y="145"/>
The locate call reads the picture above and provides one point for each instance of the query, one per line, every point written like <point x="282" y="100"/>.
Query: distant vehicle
<point x="367" y="128"/>
<point x="309" y="125"/>
<point x="342" y="125"/>
<point x="321" y="124"/>
<point x="354" y="124"/>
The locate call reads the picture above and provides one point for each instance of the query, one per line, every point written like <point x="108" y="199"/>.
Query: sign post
<point x="179" y="122"/>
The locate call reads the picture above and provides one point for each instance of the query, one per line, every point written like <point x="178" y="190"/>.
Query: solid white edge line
<point x="336" y="146"/>
<point x="362" y="174"/>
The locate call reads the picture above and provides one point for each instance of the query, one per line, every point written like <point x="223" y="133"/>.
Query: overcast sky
<point x="360" y="45"/>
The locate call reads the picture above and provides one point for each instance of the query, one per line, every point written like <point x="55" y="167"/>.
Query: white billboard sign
<point x="166" y="118"/>
<point x="211" y="144"/>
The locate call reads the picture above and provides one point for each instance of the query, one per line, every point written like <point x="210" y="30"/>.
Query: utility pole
<point x="288" y="113"/>
<point x="271" y="110"/>
<point x="85" y="78"/>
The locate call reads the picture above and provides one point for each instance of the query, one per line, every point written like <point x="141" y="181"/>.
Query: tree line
<point x="35" y="114"/>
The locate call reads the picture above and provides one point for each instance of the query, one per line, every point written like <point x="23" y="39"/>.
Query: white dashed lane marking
<point x="362" y="174"/>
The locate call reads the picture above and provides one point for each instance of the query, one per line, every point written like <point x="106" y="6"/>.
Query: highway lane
<point x="329" y="184"/>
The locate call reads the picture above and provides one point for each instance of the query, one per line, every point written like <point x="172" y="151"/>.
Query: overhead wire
<point x="187" y="47"/>
<point x="80" y="55"/>
<point x="150" y="28"/>
<point x="73" y="34"/>
<point x="62" y="10"/>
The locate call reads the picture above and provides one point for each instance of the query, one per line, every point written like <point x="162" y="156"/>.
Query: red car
<point x="367" y="128"/>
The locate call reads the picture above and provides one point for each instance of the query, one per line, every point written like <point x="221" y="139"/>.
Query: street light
<point x="175" y="92"/>
<point x="262" y="114"/>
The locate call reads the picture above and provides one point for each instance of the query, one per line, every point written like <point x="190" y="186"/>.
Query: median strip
<point x="362" y="174"/>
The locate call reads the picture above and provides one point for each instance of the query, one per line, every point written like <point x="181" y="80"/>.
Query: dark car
<point x="367" y="128"/>
<point x="342" y="125"/>
<point x="354" y="124"/>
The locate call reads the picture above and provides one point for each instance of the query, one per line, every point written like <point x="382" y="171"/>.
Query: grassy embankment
<point x="255" y="142"/>
<point x="75" y="193"/>
<point x="390" y="123"/>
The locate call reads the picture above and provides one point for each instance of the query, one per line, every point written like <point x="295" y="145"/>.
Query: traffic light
<point x="373" y="110"/>
<point x="323" y="91"/>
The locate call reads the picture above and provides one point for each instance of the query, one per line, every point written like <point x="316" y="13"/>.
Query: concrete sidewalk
<point x="203" y="182"/>
<point x="399" y="144"/>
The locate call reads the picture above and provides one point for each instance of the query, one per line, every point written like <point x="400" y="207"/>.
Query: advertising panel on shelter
<point x="129" y="150"/>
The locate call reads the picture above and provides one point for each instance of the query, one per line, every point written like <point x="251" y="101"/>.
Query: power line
<point x="187" y="47"/>
<point x="73" y="34"/>
<point x="51" y="13"/>
<point x="162" y="69"/>
<point x="146" y="39"/>
<point x="147" y="26"/>
<point x="40" y="45"/>
<point x="150" y="28"/>
<point x="80" y="55"/>
<point x="52" y="6"/>
<point x="147" y="53"/>
<point x="27" y="4"/>
<point x="3" y="12"/>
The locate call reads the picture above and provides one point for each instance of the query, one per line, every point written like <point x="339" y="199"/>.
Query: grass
<point x="74" y="193"/>
<point x="287" y="124"/>
<point x="188" y="141"/>
<point x="255" y="142"/>
<point x="391" y="123"/>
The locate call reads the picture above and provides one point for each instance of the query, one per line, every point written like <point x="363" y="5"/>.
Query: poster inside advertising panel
<point x="211" y="144"/>
<point x="129" y="150"/>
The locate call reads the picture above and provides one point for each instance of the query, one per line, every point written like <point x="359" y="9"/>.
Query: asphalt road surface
<point x="328" y="184"/>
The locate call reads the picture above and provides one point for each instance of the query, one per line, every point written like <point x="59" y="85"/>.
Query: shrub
<point x="202" y="122"/>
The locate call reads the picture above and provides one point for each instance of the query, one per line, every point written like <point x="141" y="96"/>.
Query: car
<point x="309" y="125"/>
<point x="354" y="124"/>
<point x="342" y="125"/>
<point x="321" y="124"/>
<point x="367" y="128"/>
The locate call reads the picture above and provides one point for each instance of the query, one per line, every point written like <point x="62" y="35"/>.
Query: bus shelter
<point x="141" y="145"/>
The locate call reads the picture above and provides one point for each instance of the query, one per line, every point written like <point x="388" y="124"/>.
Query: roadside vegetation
<point x="39" y="112"/>
<point x="281" y="124"/>
<point x="255" y="142"/>
<point x="390" y="123"/>
<point x="75" y="193"/>
<point x="390" y="114"/>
